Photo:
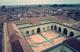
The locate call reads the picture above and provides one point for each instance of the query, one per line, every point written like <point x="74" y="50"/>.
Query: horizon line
<point x="36" y="4"/>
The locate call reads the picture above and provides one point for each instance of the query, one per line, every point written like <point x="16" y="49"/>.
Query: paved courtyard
<point x="44" y="40"/>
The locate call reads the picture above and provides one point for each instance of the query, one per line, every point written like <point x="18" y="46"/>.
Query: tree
<point x="54" y="5"/>
<point x="12" y="9"/>
<point x="39" y="5"/>
<point x="3" y="7"/>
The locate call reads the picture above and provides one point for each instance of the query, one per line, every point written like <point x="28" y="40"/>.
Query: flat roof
<point x="24" y="25"/>
<point x="45" y="21"/>
<point x="37" y="20"/>
<point x="74" y="43"/>
<point x="51" y="49"/>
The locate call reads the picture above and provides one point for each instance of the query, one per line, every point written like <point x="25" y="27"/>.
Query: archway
<point x="55" y="27"/>
<point x="71" y="34"/>
<point x="38" y="30"/>
<point x="59" y="29"/>
<point x="65" y="31"/>
<point x="51" y="27"/>
<point x="27" y="32"/>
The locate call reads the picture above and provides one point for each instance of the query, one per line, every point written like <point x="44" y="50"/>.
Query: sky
<point x="30" y="2"/>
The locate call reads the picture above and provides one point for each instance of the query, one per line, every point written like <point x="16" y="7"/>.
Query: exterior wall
<point x="69" y="29"/>
<point x="35" y="29"/>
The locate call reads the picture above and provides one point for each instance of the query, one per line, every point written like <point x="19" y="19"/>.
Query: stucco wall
<point x="69" y="29"/>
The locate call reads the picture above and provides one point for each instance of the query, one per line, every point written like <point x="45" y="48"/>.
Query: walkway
<point x="18" y="43"/>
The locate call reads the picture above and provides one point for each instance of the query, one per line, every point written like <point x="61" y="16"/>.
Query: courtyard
<point x="44" y="40"/>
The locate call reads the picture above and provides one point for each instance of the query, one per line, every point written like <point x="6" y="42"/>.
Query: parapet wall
<point x="6" y="43"/>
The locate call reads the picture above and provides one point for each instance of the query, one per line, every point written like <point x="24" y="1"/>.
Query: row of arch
<point x="65" y="30"/>
<point x="39" y="30"/>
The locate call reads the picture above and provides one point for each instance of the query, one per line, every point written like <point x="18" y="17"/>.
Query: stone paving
<point x="44" y="40"/>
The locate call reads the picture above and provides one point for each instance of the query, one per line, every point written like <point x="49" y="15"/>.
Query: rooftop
<point x="39" y="20"/>
<point x="74" y="43"/>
